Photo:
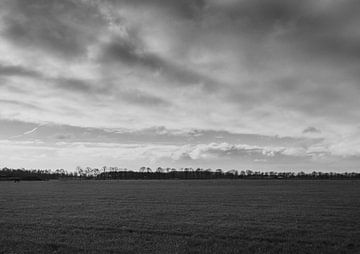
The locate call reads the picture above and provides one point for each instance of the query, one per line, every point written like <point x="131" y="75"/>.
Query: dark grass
<point x="173" y="216"/>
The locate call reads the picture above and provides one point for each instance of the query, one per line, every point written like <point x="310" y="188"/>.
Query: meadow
<point x="180" y="216"/>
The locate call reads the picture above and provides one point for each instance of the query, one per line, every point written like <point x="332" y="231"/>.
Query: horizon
<point x="145" y="169"/>
<point x="190" y="83"/>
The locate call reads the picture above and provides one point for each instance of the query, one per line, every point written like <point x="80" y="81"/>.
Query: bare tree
<point x="79" y="171"/>
<point x="159" y="170"/>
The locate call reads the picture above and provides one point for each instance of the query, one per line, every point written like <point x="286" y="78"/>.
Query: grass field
<point x="173" y="216"/>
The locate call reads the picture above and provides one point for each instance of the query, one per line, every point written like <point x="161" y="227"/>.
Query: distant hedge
<point x="106" y="173"/>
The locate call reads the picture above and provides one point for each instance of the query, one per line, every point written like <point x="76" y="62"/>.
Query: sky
<point x="231" y="84"/>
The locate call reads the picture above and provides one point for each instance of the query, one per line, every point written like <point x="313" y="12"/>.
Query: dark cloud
<point x="71" y="84"/>
<point x="317" y="95"/>
<point x="311" y="129"/>
<point x="311" y="47"/>
<point x="64" y="27"/>
<point x="65" y="83"/>
<point x="83" y="87"/>
<point x="322" y="33"/>
<point x="63" y="136"/>
<point x="14" y="70"/>
<point x="189" y="9"/>
<point x="74" y="84"/>
<point x="67" y="27"/>
<point x="142" y="98"/>
<point x="316" y="32"/>
<point x="89" y="87"/>
<point x="127" y="52"/>
<point x="258" y="16"/>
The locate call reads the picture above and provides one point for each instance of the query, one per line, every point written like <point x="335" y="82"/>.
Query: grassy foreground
<point x="174" y="216"/>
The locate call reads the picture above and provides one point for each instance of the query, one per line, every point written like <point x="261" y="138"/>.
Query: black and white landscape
<point x="179" y="126"/>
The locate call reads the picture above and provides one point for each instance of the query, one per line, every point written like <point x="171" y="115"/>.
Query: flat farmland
<point x="173" y="216"/>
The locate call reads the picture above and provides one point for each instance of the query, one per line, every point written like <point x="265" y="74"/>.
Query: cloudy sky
<point x="245" y="84"/>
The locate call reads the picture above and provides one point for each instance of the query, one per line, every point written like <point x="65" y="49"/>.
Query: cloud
<point x="127" y="53"/>
<point x="187" y="9"/>
<point x="63" y="136"/>
<point x="74" y="146"/>
<point x="63" y="29"/>
<point x="12" y="70"/>
<point x="269" y="75"/>
<point x="311" y="129"/>
<point x="20" y="104"/>
<point x="232" y="151"/>
<point x="142" y="98"/>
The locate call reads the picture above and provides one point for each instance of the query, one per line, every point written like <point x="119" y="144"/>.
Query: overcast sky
<point x="245" y="84"/>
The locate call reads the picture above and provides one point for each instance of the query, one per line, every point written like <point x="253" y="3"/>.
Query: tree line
<point x="108" y="173"/>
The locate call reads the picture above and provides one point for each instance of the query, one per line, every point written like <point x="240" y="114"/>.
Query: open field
<point x="173" y="216"/>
